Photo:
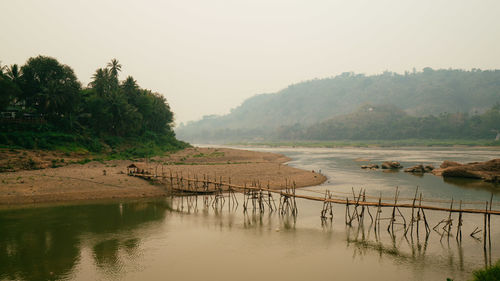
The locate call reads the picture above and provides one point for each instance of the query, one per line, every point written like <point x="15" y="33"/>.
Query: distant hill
<point x="430" y="92"/>
<point x="387" y="122"/>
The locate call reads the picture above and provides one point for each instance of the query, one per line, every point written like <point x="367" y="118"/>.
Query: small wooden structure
<point x="132" y="169"/>
<point x="136" y="168"/>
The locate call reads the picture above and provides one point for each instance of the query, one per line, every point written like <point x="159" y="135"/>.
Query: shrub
<point x="488" y="274"/>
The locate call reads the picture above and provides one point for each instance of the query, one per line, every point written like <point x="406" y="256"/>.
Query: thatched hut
<point x="136" y="168"/>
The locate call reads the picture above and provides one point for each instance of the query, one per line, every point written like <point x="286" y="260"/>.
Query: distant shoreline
<point x="375" y="143"/>
<point x="96" y="181"/>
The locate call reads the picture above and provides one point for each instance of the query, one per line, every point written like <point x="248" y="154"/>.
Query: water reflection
<point x="474" y="184"/>
<point x="113" y="240"/>
<point x="106" y="253"/>
<point x="45" y="243"/>
<point x="409" y="248"/>
<point x="110" y="239"/>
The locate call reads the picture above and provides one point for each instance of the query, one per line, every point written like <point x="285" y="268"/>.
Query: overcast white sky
<point x="208" y="56"/>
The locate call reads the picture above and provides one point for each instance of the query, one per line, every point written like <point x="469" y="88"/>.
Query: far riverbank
<point x="487" y="143"/>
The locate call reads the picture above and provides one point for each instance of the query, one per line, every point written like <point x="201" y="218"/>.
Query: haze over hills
<point x="300" y="110"/>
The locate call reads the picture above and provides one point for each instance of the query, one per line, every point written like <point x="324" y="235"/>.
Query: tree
<point x="114" y="67"/>
<point x="101" y="81"/>
<point x="14" y="73"/>
<point x="130" y="89"/>
<point x="125" y="120"/>
<point x="157" y="116"/>
<point x="50" y="88"/>
<point x="2" y="69"/>
<point x="130" y="84"/>
<point x="8" y="92"/>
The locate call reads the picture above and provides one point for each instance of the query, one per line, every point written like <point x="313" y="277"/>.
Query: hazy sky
<point x="208" y="56"/>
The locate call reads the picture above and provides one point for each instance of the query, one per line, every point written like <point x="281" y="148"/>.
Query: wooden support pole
<point x="485" y="229"/>
<point x="377" y="216"/>
<point x="368" y="209"/>
<point x="450" y="221"/>
<point x="489" y="226"/>
<point x="459" y="226"/>
<point x="413" y="213"/>
<point x="362" y="218"/>
<point x="347" y="213"/>
<point x="390" y="227"/>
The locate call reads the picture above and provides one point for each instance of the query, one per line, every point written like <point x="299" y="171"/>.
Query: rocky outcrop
<point x="392" y="165"/>
<point x="447" y="164"/>
<point x="488" y="171"/>
<point x="460" y="172"/>
<point x="429" y="168"/>
<point x="420" y="169"/>
<point x="370" y="166"/>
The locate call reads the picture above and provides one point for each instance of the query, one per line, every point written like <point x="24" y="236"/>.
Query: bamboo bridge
<point x="260" y="197"/>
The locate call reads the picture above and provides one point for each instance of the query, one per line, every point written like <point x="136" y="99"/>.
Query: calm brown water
<point x="171" y="239"/>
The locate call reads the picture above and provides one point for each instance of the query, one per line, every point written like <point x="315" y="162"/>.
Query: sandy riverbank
<point x="88" y="181"/>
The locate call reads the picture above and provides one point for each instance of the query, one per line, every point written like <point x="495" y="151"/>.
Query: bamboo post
<point x="485" y="229"/>
<point x="347" y="213"/>
<point x="413" y="212"/>
<point x="377" y="216"/>
<point x="295" y="209"/>
<point x="390" y="227"/>
<point x="459" y="227"/>
<point x="367" y="208"/>
<point x="427" y="227"/>
<point x="355" y="214"/>
<point x="323" y="211"/>
<point x="450" y="221"/>
<point x="489" y="226"/>
<point x="362" y="218"/>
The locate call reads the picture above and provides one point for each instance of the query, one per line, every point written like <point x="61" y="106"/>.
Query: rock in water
<point x="418" y="169"/>
<point x="393" y="165"/>
<point x="447" y="164"/>
<point x="370" y="166"/>
<point x="428" y="168"/>
<point x="488" y="171"/>
<point x="460" y="172"/>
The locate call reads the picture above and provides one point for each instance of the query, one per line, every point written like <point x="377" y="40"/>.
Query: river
<point x="171" y="238"/>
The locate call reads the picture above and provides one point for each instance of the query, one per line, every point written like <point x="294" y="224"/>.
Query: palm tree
<point x="114" y="67"/>
<point x="14" y="72"/>
<point x="2" y="68"/>
<point x="130" y="84"/>
<point x="101" y="81"/>
<point x="130" y="89"/>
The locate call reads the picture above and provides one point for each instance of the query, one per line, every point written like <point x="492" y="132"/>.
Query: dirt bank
<point x="96" y="180"/>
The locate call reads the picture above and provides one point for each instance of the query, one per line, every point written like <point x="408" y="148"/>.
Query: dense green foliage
<point x="489" y="274"/>
<point x="53" y="111"/>
<point x="322" y="109"/>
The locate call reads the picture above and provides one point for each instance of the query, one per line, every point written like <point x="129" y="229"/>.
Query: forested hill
<point x="430" y="92"/>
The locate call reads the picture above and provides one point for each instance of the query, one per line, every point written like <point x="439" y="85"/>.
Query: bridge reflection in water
<point x="150" y="239"/>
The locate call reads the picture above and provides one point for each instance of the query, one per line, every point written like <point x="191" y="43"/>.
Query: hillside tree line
<point x="425" y="102"/>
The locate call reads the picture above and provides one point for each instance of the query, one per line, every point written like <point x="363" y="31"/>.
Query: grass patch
<point x="103" y="148"/>
<point x="209" y="155"/>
